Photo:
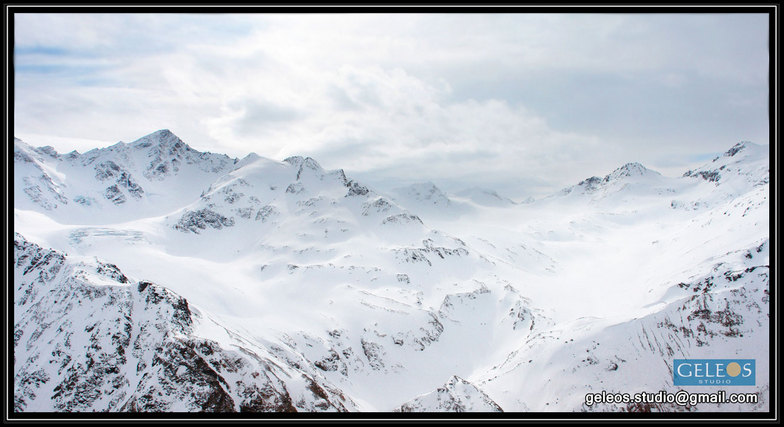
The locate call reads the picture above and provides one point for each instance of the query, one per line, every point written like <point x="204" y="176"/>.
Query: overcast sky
<point x="522" y="103"/>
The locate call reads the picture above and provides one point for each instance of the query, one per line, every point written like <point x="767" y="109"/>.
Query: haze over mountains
<point x="153" y="277"/>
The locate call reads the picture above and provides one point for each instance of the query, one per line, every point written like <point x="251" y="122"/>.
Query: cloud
<point x="256" y="116"/>
<point x="401" y="124"/>
<point x="540" y="99"/>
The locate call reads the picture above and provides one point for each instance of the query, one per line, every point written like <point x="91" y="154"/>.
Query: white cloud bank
<point x="525" y="103"/>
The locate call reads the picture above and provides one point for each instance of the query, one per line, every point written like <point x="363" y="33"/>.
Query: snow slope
<point x="284" y="286"/>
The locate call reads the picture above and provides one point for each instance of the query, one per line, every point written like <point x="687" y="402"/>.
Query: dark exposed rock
<point x="82" y="200"/>
<point x="194" y="221"/>
<point x="265" y="399"/>
<point x="374" y="354"/>
<point x="708" y="315"/>
<point x="106" y="170"/>
<point x="711" y="176"/>
<point x="412" y="255"/>
<point x="377" y="206"/>
<point x="295" y="188"/>
<point x="355" y="189"/>
<point x="122" y="179"/>
<point x="111" y="270"/>
<point x="114" y="194"/>
<point x="402" y="218"/>
<point x="735" y="149"/>
<point x="266" y="213"/>
<point x="330" y="363"/>
<point x="591" y="182"/>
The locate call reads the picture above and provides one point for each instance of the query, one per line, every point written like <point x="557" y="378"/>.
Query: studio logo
<point x="714" y="372"/>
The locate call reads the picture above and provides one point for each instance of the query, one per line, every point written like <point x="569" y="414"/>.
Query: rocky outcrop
<point x="194" y="221"/>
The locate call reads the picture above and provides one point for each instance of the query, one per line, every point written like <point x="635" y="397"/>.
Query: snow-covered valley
<point x="153" y="277"/>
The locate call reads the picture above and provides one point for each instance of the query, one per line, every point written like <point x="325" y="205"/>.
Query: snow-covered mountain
<point x="425" y="193"/>
<point x="88" y="338"/>
<point x="632" y="175"/>
<point x="152" y="277"/>
<point x="745" y="161"/>
<point x="147" y="177"/>
<point x="430" y="202"/>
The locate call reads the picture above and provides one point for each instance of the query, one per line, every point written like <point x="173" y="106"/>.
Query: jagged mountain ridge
<point x="332" y="246"/>
<point x="155" y="173"/>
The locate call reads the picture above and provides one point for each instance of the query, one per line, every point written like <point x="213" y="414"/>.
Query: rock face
<point x="119" y="178"/>
<point x="88" y="338"/>
<point x="201" y="219"/>
<point x="457" y="395"/>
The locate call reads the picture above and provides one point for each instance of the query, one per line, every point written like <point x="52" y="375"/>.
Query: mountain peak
<point x="163" y="137"/>
<point x="163" y="134"/>
<point x="303" y="164"/>
<point x="632" y="169"/>
<point x="629" y="169"/>
<point x="247" y="160"/>
<point x="457" y="395"/>
<point x="735" y="149"/>
<point x="425" y="191"/>
<point x="300" y="161"/>
<point x="456" y="380"/>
